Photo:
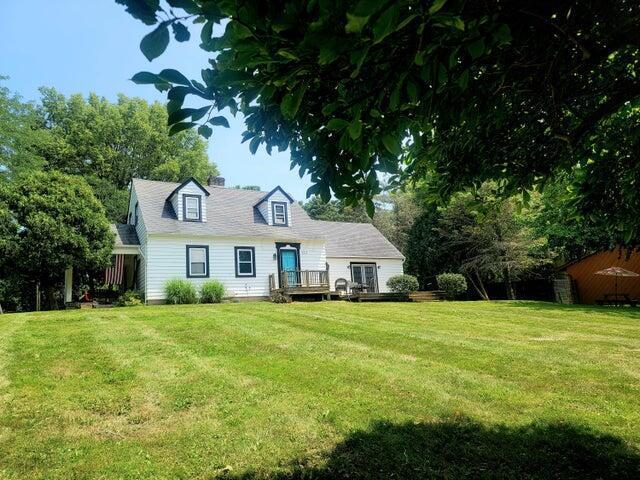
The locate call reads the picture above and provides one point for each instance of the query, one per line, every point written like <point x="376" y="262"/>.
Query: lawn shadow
<point x="462" y="448"/>
<point x="627" y="311"/>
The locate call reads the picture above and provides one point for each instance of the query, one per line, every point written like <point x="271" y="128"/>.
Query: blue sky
<point x="82" y="46"/>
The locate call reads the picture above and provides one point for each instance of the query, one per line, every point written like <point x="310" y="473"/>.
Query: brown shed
<point x="591" y="287"/>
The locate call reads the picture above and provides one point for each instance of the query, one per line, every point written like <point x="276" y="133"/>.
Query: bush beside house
<point x="403" y="284"/>
<point x="130" y="298"/>
<point x="212" y="291"/>
<point x="179" y="291"/>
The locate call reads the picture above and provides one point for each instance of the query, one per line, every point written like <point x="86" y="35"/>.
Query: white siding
<point x="189" y="189"/>
<point x="263" y="208"/>
<point x="141" y="231"/>
<point x="266" y="209"/>
<point x="166" y="259"/>
<point x="386" y="268"/>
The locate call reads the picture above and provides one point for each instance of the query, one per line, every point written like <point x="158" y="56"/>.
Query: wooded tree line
<point x="479" y="233"/>
<point x="65" y="164"/>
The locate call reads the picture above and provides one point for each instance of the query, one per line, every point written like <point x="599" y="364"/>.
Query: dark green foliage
<point x="212" y="291"/>
<point x="117" y="141"/>
<point x="403" y="284"/>
<point x="19" y="124"/>
<point x="115" y="200"/>
<point x="452" y="284"/>
<point x="130" y="298"/>
<point x="178" y="291"/>
<point x="425" y="253"/>
<point x="456" y="91"/>
<point x="107" y="143"/>
<point x="335" y="211"/>
<point x="279" y="297"/>
<point x="50" y="221"/>
<point x="570" y="235"/>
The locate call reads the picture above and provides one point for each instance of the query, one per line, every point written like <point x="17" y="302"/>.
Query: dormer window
<point x="192" y="208"/>
<point x="279" y="213"/>
<point x="275" y="208"/>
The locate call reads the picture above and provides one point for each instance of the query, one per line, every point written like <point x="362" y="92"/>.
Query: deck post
<point x="68" y="285"/>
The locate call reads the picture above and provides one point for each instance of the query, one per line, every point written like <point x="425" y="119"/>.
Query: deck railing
<point x="304" y="279"/>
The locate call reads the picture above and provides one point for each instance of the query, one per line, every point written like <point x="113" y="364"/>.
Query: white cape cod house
<point x="253" y="242"/>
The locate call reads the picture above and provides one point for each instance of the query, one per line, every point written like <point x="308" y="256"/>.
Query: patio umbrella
<point x="617" y="272"/>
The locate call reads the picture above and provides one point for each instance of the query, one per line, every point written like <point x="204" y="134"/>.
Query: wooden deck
<point x="302" y="283"/>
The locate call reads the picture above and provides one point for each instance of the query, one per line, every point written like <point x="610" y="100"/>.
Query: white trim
<point x="250" y="262"/>
<point x="276" y="214"/>
<point x="126" y="250"/>
<point x="366" y="256"/>
<point x="187" y="199"/>
<point x="190" y="262"/>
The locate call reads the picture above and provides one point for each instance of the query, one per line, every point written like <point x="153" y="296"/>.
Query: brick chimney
<point x="214" y="181"/>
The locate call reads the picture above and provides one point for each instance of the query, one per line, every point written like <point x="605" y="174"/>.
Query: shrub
<point x="404" y="284"/>
<point x="179" y="291"/>
<point x="452" y="284"/>
<point x="279" y="297"/>
<point x="211" y="291"/>
<point x="130" y="298"/>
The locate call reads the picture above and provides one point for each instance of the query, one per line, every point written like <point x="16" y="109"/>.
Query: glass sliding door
<point x="365" y="274"/>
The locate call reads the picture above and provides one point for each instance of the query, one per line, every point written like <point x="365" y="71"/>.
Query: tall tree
<point x="570" y="235"/>
<point x="488" y="240"/>
<point x="18" y="131"/>
<point x="50" y="221"/>
<point x="110" y="143"/>
<point x="425" y="254"/>
<point x="456" y="90"/>
<point x="335" y="211"/>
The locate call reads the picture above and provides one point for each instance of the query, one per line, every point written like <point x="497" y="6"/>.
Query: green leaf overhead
<point x="143" y="10"/>
<point x="180" y="32"/>
<point x="464" y="91"/>
<point x="179" y="127"/>
<point x="147" y="78"/>
<point x="174" y="76"/>
<point x="155" y="43"/>
<point x="291" y="101"/>
<point x="219" y="121"/>
<point x="386" y="23"/>
<point x="436" y="6"/>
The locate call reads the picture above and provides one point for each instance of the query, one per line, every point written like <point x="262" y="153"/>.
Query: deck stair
<point x="427" y="296"/>
<point x="430" y="296"/>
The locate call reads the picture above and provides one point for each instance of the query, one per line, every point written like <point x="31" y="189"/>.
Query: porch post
<point x="68" y="285"/>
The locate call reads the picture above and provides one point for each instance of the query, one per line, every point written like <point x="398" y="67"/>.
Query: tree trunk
<point x="479" y="286"/>
<point x="50" y="297"/>
<point x="1" y="312"/>
<point x="38" y="297"/>
<point x="511" y="294"/>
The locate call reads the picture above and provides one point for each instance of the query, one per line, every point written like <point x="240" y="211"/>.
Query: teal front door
<point x="289" y="265"/>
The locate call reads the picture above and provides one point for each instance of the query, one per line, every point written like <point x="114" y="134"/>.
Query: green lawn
<point x="321" y="390"/>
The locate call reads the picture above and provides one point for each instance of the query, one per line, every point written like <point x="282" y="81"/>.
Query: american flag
<point x="113" y="274"/>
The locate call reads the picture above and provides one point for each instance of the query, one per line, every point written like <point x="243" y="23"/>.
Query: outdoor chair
<point x="341" y="285"/>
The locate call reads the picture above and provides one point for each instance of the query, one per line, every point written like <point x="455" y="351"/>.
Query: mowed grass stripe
<point x="188" y="391"/>
<point x="209" y="394"/>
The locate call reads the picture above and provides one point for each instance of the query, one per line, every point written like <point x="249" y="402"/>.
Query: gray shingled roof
<point x="125" y="234"/>
<point x="231" y="213"/>
<point x="357" y="240"/>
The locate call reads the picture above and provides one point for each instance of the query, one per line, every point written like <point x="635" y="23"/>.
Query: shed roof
<point x="125" y="234"/>
<point x="357" y="240"/>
